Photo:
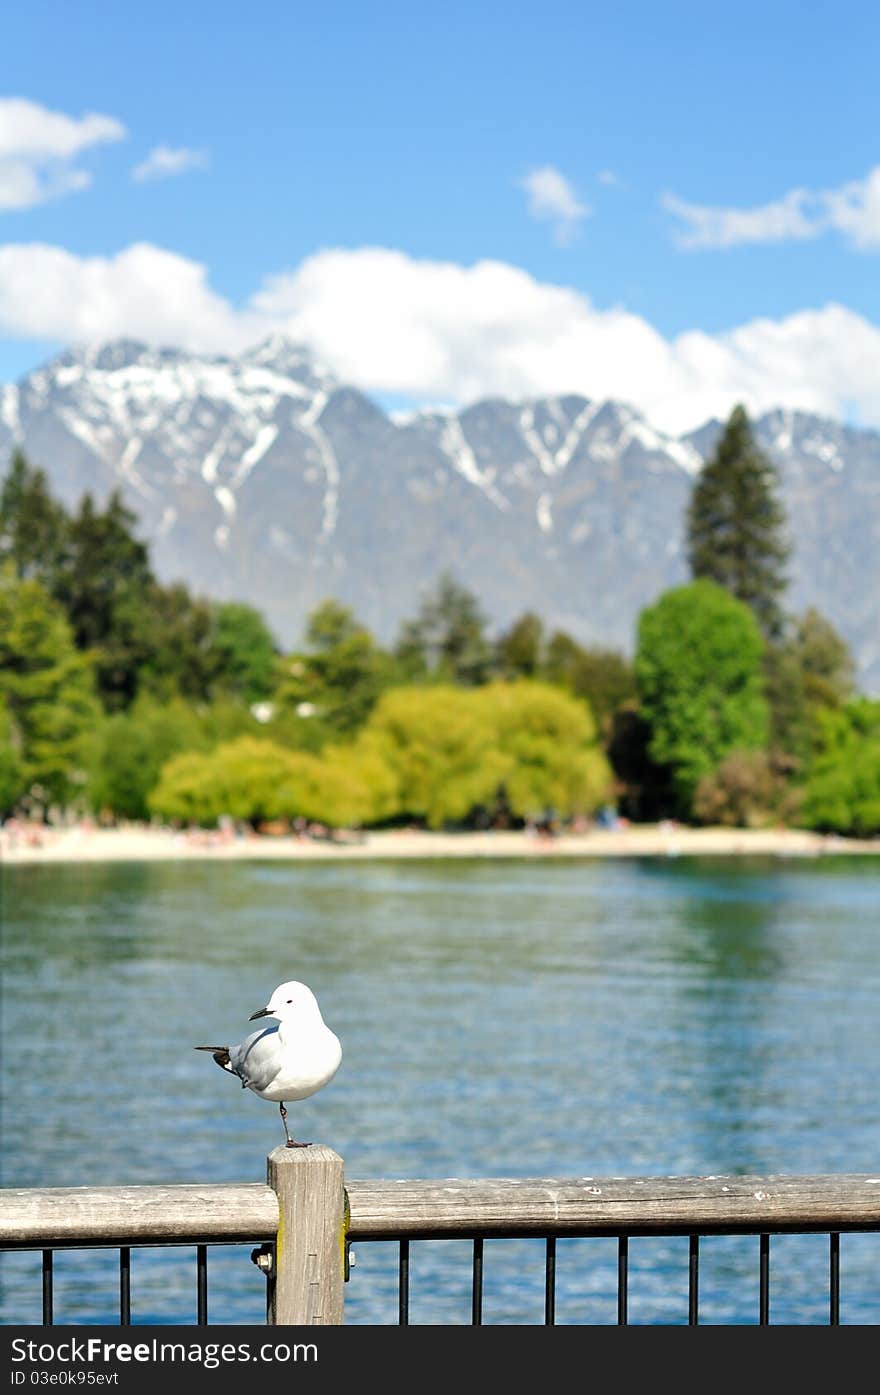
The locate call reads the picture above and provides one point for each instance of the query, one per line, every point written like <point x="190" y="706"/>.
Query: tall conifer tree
<point x="735" y="525"/>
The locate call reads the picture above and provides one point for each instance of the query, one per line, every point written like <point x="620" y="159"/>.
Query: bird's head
<point x="287" y="1001"/>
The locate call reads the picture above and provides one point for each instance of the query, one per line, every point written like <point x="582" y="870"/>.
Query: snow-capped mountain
<point x="262" y="478"/>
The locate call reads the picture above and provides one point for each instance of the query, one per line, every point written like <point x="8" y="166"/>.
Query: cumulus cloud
<point x="38" y="149"/>
<point x="853" y="210"/>
<point x="438" y="331"/>
<point x="164" y="161"/>
<point x="551" y="197"/>
<point x="143" y="291"/>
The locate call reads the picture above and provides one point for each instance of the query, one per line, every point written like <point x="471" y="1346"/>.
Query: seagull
<point x="290" y="1060"/>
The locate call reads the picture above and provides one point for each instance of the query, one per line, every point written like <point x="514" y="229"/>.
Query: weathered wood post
<point x="307" y="1282"/>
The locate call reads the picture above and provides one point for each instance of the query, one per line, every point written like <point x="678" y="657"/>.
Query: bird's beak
<point x="264" y="1012"/>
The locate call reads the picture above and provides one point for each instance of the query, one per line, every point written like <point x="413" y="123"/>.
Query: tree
<point x="11" y="773"/>
<point x="602" y="677"/>
<point x="104" y="583"/>
<point x="32" y="524"/>
<point x="735" y="525"/>
<point x="240" y="780"/>
<point x="254" y="780"/>
<point x="842" y="790"/>
<point x="181" y="657"/>
<point x="327" y="691"/>
<point x="245" y="651"/>
<point x="48" y="690"/>
<point x="130" y="748"/>
<point x="745" y="791"/>
<point x="447" y="638"/>
<point x="644" y="791"/>
<point x="698" y="666"/>
<point x="550" y="756"/>
<point x="519" y="650"/>
<point x="438" y="743"/>
<point x="808" y="672"/>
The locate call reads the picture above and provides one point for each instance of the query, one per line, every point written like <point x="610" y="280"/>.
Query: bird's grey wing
<point x="255" y="1060"/>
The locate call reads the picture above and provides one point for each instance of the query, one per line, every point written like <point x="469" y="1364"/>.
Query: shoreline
<point x="143" y="844"/>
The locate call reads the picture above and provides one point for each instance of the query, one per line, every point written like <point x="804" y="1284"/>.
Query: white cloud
<point x="609" y="178"/>
<point x="164" y="161"/>
<point x="49" y="293"/>
<point x="853" y="209"/>
<point x="38" y="148"/>
<point x="437" y="331"/>
<point x="782" y="221"/>
<point x="551" y="197"/>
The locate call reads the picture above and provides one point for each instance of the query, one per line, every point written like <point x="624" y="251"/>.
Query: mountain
<point x="263" y="478"/>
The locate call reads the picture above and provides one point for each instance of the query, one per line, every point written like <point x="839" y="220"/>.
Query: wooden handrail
<point x="231" y="1211"/>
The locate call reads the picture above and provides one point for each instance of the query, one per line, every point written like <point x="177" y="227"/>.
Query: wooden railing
<point x="308" y="1216"/>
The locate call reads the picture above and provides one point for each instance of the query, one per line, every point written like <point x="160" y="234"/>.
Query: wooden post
<point x="310" y="1246"/>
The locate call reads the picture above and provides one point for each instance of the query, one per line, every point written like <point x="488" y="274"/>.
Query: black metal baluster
<point x="403" y="1284"/>
<point x="477" y="1300"/>
<point x="622" y="1279"/>
<point x="124" y="1286"/>
<point x="270" y="1286"/>
<point x="47" y="1288"/>
<point x="202" y="1285"/>
<point x="834" y="1318"/>
<point x="764" y="1315"/>
<point x="550" y="1283"/>
<point x="694" y="1281"/>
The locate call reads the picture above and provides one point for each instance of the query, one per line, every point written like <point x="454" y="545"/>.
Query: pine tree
<point x="47" y="689"/>
<point x="32" y="524"/>
<point x="447" y="639"/>
<point x="735" y="525"/>
<point x="104" y="583"/>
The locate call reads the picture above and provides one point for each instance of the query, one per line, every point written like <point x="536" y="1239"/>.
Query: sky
<point x="677" y="206"/>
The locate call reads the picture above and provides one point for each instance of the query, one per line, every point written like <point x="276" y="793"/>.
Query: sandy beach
<point x="143" y="844"/>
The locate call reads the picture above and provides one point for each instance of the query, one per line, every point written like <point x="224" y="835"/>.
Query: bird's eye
<point x="290" y="1000"/>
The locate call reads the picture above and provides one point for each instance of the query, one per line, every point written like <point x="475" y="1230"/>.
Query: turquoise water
<point x="500" y="1018"/>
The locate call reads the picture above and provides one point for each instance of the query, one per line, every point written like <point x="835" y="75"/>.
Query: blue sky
<point x="676" y="204"/>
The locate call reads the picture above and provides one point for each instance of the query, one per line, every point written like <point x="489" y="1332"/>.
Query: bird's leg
<point x="291" y="1142"/>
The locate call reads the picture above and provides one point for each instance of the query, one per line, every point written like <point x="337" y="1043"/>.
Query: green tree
<point x="33" y="526"/>
<point x="326" y="692"/>
<point x="809" y="671"/>
<point x="104" y="583"/>
<point x="254" y="780"/>
<point x="447" y="638"/>
<point x="698" y="666"/>
<point x="130" y="748"/>
<point x="181" y="657"/>
<point x="550" y="757"/>
<point x="47" y="688"/>
<point x="842" y="791"/>
<point x="519" y="650"/>
<point x="246" y="654"/>
<point x="240" y="779"/>
<point x="602" y="677"/>
<point x="735" y="524"/>
<point x="437" y="741"/>
<point x="11" y="773"/>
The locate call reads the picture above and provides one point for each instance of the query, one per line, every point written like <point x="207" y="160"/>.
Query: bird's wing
<point x="256" y="1059"/>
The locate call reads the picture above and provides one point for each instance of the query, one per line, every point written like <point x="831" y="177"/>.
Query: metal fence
<point x="305" y="1221"/>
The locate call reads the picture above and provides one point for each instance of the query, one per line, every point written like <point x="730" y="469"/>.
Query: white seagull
<point x="290" y="1060"/>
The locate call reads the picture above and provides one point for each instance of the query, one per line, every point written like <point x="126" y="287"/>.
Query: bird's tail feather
<point x="221" y="1054"/>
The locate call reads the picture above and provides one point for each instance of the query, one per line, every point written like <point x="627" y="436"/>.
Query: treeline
<point x="127" y="698"/>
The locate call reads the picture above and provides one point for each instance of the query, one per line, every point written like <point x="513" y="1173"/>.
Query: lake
<point x="629" y="1017"/>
